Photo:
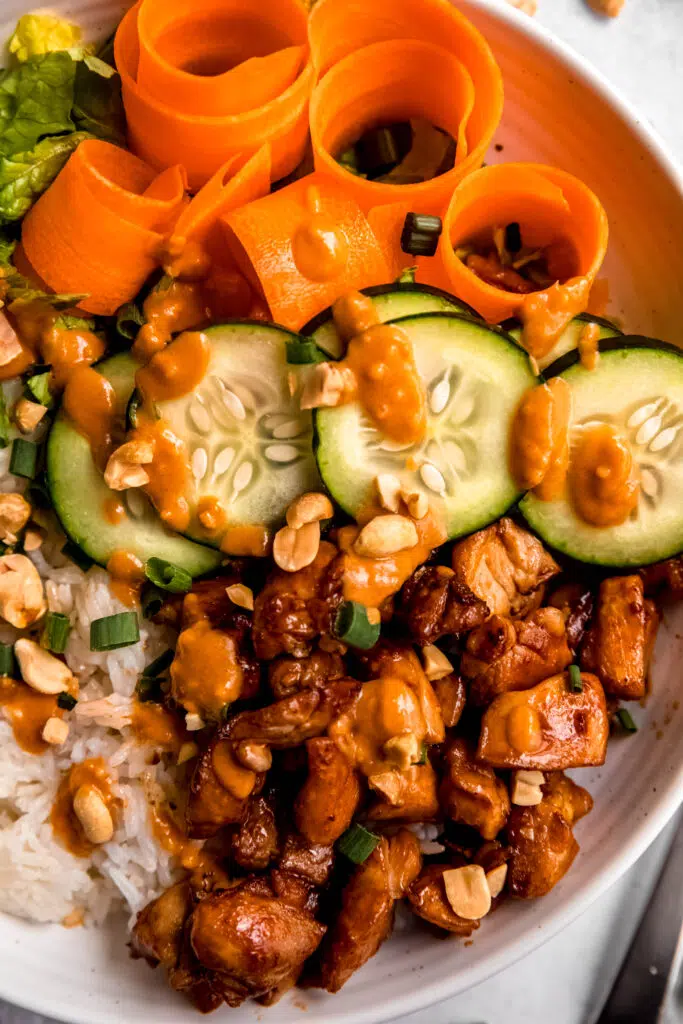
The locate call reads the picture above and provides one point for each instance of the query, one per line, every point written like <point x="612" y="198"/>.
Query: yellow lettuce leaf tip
<point x="42" y="33"/>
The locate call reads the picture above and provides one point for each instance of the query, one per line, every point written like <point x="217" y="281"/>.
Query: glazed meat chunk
<point x="399" y="661"/>
<point x="294" y="608"/>
<point x="289" y="675"/>
<point x="665" y="579"/>
<point x="328" y="799"/>
<point x="541" y="842"/>
<point x="255" y="843"/>
<point x="298" y="718"/>
<point x="549" y="726"/>
<point x="513" y="654"/>
<point x="435" y="603"/>
<point x="253" y="941"/>
<point x="576" y="603"/>
<point x="505" y="567"/>
<point x="367" y="909"/>
<point x="471" y="793"/>
<point x="158" y="931"/>
<point x="427" y="899"/>
<point x="406" y="796"/>
<point x="219" y="789"/>
<point x="451" y="694"/>
<point x="619" y="645"/>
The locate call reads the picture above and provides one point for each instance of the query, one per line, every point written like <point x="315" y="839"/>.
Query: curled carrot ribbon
<point x="100" y="227"/>
<point x="206" y="80"/>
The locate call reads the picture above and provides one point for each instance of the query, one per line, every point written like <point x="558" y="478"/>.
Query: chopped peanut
<point x="33" y="538"/>
<point x="27" y="415"/>
<point x="55" y="731"/>
<point x="240" y="595"/>
<point x="10" y="346"/>
<point x="389" y="491"/>
<point x="326" y="385"/>
<point x="194" y="722"/>
<point x="496" y="880"/>
<point x="467" y="891"/>
<point x="93" y="815"/>
<point x="402" y="750"/>
<point x="386" y="535"/>
<point x="22" y="598"/>
<point x="435" y="662"/>
<point x="417" y="503"/>
<point x="526" y="788"/>
<point x="187" y="751"/>
<point x="374" y="616"/>
<point x="295" y="549"/>
<point x="41" y="670"/>
<point x="14" y="515"/>
<point x="309" y="508"/>
<point x="388" y="784"/>
<point x="124" y="468"/>
<point x="253" y="755"/>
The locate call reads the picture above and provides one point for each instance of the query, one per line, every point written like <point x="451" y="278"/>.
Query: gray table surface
<point x="565" y="981"/>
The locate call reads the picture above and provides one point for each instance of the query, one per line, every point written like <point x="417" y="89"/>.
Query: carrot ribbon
<point x="206" y="80"/>
<point x="261" y="237"/>
<point x="552" y="208"/>
<point x="99" y="228"/>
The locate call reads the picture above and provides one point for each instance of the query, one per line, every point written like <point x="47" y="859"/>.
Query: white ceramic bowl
<point x="559" y="111"/>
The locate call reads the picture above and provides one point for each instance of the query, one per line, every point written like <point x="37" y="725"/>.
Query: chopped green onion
<point x="56" y="632"/>
<point x="129" y="320"/>
<point x="420" y="234"/>
<point x="513" y="237"/>
<point x="77" y="555"/>
<point x="24" y="458"/>
<point x="626" y="721"/>
<point x="424" y="751"/>
<point x="114" y="631"/>
<point x="4" y="421"/>
<point x="407" y="276"/>
<point x="299" y="352"/>
<point x="379" y="150"/>
<point x="167" y="576"/>
<point x="6" y="660"/>
<point x="151" y="601"/>
<point x="38" y="389"/>
<point x="66" y="702"/>
<point x="148" y="691"/>
<point x="575" y="679"/>
<point x="159" y="665"/>
<point x="67" y="322"/>
<point x="357" y="843"/>
<point x="134" y="403"/>
<point x="353" y="626"/>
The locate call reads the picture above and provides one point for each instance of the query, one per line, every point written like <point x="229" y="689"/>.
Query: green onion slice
<point x="626" y="721"/>
<point x="424" y="751"/>
<point x="114" y="631"/>
<point x="24" y="458"/>
<point x="159" y="665"/>
<point x="66" y="701"/>
<point x="353" y="627"/>
<point x="575" y="679"/>
<point x="151" y="600"/>
<point x="357" y="843"/>
<point x="148" y="691"/>
<point x="38" y="388"/>
<point x="77" y="555"/>
<point x="56" y="632"/>
<point x="6" y="660"/>
<point x="4" y="421"/>
<point x="379" y="150"/>
<point x="129" y="320"/>
<point x="420" y="234"/>
<point x="300" y="352"/>
<point x="167" y="576"/>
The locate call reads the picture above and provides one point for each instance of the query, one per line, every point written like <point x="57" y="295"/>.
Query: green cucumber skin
<point x="79" y="494"/>
<point x="626" y="546"/>
<point x="347" y="470"/>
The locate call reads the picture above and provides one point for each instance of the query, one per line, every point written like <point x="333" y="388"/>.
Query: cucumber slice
<point x="638" y="387"/>
<point x="79" y="495"/>
<point x="391" y="301"/>
<point x="569" y="339"/>
<point x="249" y="443"/>
<point x="474" y="376"/>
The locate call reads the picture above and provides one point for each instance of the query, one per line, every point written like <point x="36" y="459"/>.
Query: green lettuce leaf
<point x="97" y="106"/>
<point x="35" y="100"/>
<point x="25" y="176"/>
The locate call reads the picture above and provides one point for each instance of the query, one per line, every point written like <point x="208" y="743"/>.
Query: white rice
<point x="39" y="879"/>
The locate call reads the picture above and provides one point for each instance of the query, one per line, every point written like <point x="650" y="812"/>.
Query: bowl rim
<point x="669" y="796"/>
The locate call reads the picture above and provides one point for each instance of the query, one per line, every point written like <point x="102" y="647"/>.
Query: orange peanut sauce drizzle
<point x="155" y="726"/>
<point x="319" y="250"/>
<point x="27" y="711"/>
<point x="545" y="314"/>
<point x="127" y="574"/>
<point x="114" y="510"/>
<point x="66" y="827"/>
<point x="539" y="439"/>
<point x="588" y="346"/>
<point x="90" y="403"/>
<point x="206" y="673"/>
<point x="604" y="485"/>
<point x="40" y="334"/>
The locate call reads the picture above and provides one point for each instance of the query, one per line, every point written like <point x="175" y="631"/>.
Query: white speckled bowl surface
<point x="559" y="111"/>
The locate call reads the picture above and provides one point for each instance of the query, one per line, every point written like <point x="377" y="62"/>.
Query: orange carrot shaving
<point x="556" y="213"/>
<point x="262" y="233"/>
<point x="99" y="228"/>
<point x="204" y="81"/>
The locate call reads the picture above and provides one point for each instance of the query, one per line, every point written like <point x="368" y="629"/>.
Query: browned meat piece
<point x="451" y="694"/>
<point x="210" y="803"/>
<point x="295" y="890"/>
<point x="546" y="727"/>
<point x="287" y="675"/>
<point x="542" y="845"/>
<point x="310" y="861"/>
<point x="296" y="607"/>
<point x="328" y="799"/>
<point x="504" y="566"/>
<point x="253" y="942"/>
<point x="367" y="909"/>
<point x="619" y="646"/>
<point x="471" y="793"/>
<point x="427" y="899"/>
<point x="514" y="654"/>
<point x="158" y="931"/>
<point x="407" y="796"/>
<point x="208" y="600"/>
<point x="665" y="579"/>
<point x="434" y="603"/>
<point x="399" y="661"/>
<point x="576" y="603"/>
<point x="298" y="718"/>
<point x="255" y="843"/>
<point x="197" y="984"/>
